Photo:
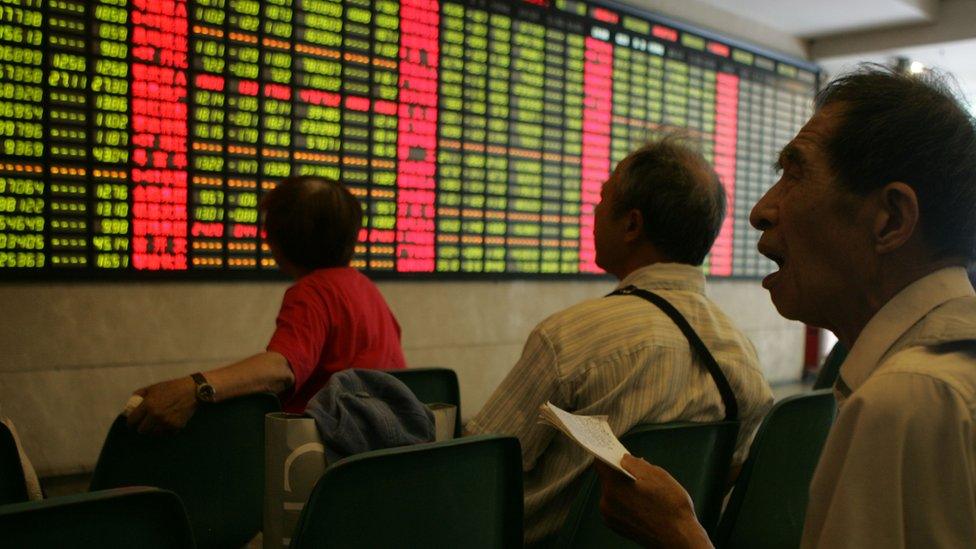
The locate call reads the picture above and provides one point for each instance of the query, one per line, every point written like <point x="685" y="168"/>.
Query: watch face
<point x="205" y="392"/>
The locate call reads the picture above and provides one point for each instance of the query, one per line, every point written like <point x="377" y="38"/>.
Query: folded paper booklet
<point x="591" y="432"/>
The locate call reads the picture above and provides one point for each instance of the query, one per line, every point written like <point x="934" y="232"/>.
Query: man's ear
<point x="634" y="229"/>
<point x="896" y="219"/>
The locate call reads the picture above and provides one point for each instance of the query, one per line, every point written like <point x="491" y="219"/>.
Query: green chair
<point x="831" y="367"/>
<point x="13" y="489"/>
<point x="215" y="464"/>
<point x="433" y="385"/>
<point x="769" y="500"/>
<point x="696" y="454"/>
<point x="459" y="493"/>
<point x="147" y="518"/>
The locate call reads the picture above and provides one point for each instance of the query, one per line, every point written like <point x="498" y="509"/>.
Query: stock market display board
<point x="138" y="136"/>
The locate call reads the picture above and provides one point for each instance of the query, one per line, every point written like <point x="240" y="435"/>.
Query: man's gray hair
<point x="678" y="194"/>
<point x="913" y="128"/>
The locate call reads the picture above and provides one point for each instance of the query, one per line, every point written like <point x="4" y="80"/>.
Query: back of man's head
<point x="313" y="222"/>
<point x="679" y="196"/>
<point x="912" y="129"/>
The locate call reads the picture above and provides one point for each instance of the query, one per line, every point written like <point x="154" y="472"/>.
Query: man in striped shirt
<point x="619" y="356"/>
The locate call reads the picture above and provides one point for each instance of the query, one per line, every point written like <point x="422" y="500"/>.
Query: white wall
<point x="72" y="353"/>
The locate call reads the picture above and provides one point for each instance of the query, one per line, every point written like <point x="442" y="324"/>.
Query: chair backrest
<point x="147" y="518"/>
<point x="459" y="493"/>
<point x="13" y="489"/>
<point x="215" y="464"/>
<point x="697" y="455"/>
<point x="769" y="500"/>
<point x="831" y="367"/>
<point x="433" y="385"/>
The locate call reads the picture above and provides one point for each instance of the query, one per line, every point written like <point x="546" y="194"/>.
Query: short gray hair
<point x="678" y="194"/>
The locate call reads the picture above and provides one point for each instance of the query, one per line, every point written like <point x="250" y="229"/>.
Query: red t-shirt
<point x="330" y="320"/>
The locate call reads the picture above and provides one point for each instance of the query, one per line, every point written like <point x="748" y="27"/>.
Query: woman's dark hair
<point x="912" y="129"/>
<point x="313" y="222"/>
<point x="679" y="196"/>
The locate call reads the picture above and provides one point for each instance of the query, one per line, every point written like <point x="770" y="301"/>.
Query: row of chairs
<point x="215" y="465"/>
<point x="466" y="492"/>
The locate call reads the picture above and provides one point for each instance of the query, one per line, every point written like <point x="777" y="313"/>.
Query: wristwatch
<point x="205" y="391"/>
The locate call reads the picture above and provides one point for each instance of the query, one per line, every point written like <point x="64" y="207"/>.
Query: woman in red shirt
<point x="331" y="319"/>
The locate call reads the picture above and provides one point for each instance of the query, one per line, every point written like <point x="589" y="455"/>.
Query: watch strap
<point x="204" y="390"/>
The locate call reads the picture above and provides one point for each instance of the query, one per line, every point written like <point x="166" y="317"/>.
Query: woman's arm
<point x="167" y="406"/>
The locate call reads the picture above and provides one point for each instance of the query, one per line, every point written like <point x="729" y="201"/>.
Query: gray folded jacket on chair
<point x="362" y="410"/>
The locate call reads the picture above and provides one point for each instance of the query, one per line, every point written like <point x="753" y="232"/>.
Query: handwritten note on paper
<point x="592" y="433"/>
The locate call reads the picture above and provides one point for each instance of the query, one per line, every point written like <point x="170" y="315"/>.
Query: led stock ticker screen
<point x="139" y="136"/>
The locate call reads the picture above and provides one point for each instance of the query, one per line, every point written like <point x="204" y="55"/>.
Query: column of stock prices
<point x="139" y="136"/>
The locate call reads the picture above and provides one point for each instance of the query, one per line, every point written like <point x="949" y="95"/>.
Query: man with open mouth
<point x="871" y="226"/>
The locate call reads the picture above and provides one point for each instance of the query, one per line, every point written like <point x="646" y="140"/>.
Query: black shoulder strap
<point x="728" y="397"/>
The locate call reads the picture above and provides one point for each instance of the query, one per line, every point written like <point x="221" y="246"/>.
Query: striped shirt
<point x="621" y="357"/>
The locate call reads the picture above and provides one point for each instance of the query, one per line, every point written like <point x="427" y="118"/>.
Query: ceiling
<point x="957" y="58"/>
<point x="871" y="30"/>
<point x="806" y="19"/>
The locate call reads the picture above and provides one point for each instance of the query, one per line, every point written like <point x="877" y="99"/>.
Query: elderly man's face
<point x="812" y="228"/>
<point x="609" y="228"/>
